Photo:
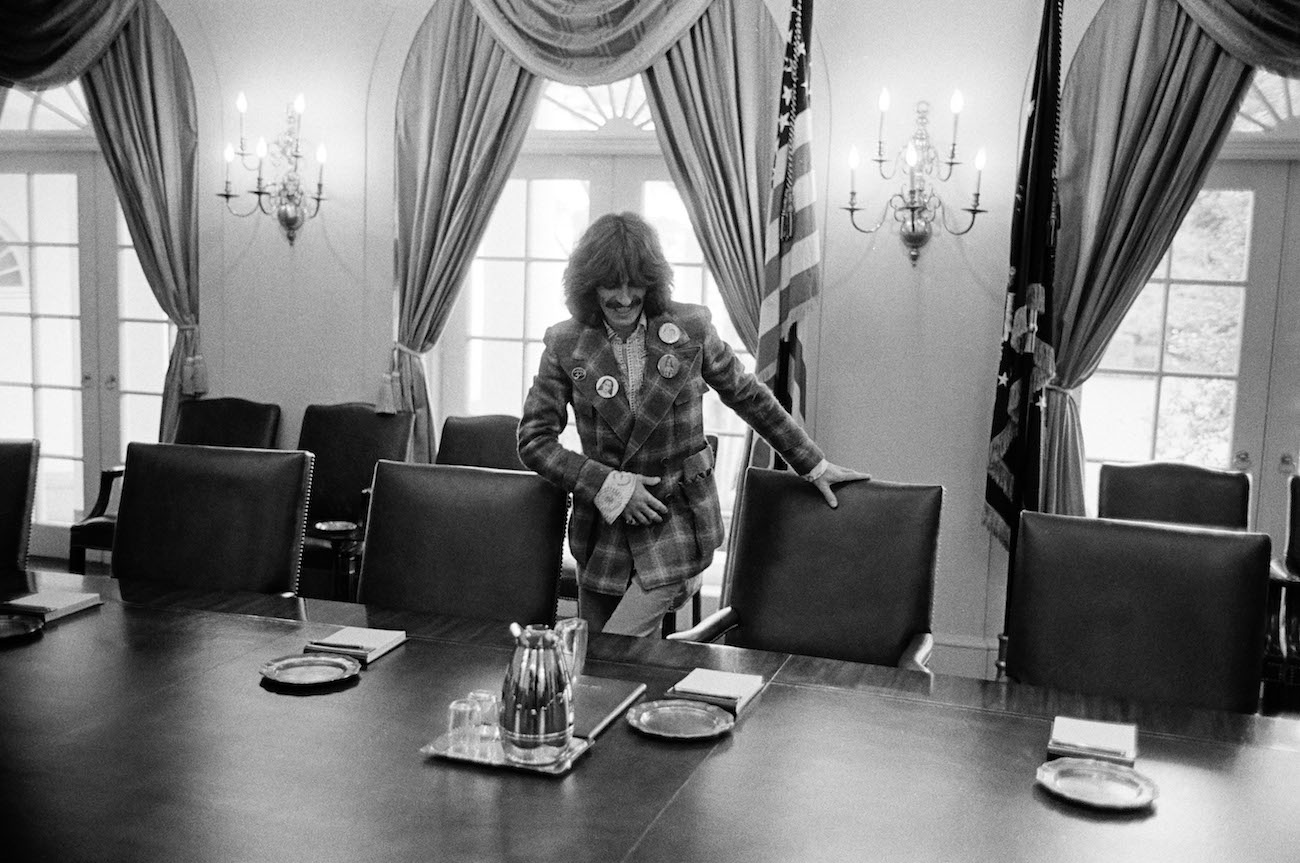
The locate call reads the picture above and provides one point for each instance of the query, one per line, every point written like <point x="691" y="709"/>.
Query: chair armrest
<point x="106" y="479"/>
<point x="1278" y="572"/>
<point x="710" y="628"/>
<point x="917" y="653"/>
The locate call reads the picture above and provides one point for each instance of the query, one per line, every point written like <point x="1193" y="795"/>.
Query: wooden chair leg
<point x="697" y="606"/>
<point x="77" y="559"/>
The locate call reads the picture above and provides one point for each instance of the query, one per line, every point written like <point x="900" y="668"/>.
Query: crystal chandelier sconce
<point x="916" y="206"/>
<point x="279" y="191"/>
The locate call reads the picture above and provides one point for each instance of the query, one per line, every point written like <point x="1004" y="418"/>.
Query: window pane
<point x="721" y="318"/>
<point x="13" y="205"/>
<point x="144" y="350"/>
<point x="688" y="284"/>
<point x="56" y="280"/>
<point x="54" y="208"/>
<point x="664" y="209"/>
<point x="58" y="421"/>
<point x="15" y="286"/>
<point x="16" y="356"/>
<point x="1204" y="328"/>
<point x="1214" y="240"/>
<point x="496" y="305"/>
<point x="58" y="352"/>
<point x="135" y="298"/>
<point x="558" y="213"/>
<point x="1118" y="415"/>
<point x="17" y="109"/>
<point x="504" y="237"/>
<point x="140" y="416"/>
<point x="1136" y="344"/>
<point x="495" y="371"/>
<point x="545" y="297"/>
<point x="16" y="420"/>
<point x="58" y="490"/>
<point x="1196" y="421"/>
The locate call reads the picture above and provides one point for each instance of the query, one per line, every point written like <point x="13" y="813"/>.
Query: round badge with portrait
<point x="606" y="387"/>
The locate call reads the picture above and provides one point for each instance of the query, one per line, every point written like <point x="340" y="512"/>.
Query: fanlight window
<point x="617" y="109"/>
<point x="62" y="109"/>
<point x="1271" y="106"/>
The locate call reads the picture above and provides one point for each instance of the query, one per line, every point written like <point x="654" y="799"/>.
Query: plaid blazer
<point x="664" y="438"/>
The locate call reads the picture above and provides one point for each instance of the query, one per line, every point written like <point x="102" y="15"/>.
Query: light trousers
<point x="638" y="611"/>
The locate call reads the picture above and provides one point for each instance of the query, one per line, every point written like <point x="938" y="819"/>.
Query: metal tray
<point x="19" y="626"/>
<point x="680" y="719"/>
<point x="310" y="669"/>
<point x="1096" y="783"/>
<point x="489" y="753"/>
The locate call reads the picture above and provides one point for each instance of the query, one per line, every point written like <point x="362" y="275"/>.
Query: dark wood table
<point x="139" y="731"/>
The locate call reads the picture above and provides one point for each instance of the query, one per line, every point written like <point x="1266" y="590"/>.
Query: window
<point x="86" y="345"/>
<point x="591" y="150"/>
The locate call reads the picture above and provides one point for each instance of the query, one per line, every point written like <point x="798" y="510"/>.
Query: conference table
<point x="141" y="730"/>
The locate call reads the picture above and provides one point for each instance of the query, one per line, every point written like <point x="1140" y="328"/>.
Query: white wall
<point x="907" y="354"/>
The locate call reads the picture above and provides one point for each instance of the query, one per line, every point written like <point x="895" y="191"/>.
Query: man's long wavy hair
<point x="615" y="249"/>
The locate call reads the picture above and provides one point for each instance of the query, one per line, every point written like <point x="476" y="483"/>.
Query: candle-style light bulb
<point x="884" y="106"/>
<point x="981" y="158"/>
<point x="320" y="159"/>
<point x="229" y="155"/>
<point x="956" y="104"/>
<point x="909" y="156"/>
<point x="299" y="104"/>
<point x="853" y="169"/>
<point x="261" y="157"/>
<point x="884" y="99"/>
<point x="241" y="103"/>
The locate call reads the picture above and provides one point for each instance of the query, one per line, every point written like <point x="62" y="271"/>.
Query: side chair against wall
<point x="467" y="541"/>
<point x="347" y="440"/>
<point x="853" y="583"/>
<point x="491" y="441"/>
<point x="202" y="422"/>
<point x="1282" y="666"/>
<point x="1148" y="611"/>
<point x="224" y="518"/>
<point x="1173" y="492"/>
<point x="18" y="461"/>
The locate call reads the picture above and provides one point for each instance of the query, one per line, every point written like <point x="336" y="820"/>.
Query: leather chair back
<point x="481" y="441"/>
<point x="18" y="460"/>
<point x="228" y="422"/>
<point x="852" y="583"/>
<point x="1173" y="492"/>
<point x="1293" y="528"/>
<point x="1155" y="612"/>
<point x="347" y="440"/>
<point x="221" y="518"/>
<point x="467" y="541"/>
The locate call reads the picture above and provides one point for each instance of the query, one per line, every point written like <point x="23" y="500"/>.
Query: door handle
<point x="110" y="383"/>
<point x="1241" y="460"/>
<point x="1286" y="464"/>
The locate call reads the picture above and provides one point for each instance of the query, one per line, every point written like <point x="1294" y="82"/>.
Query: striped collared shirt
<point x="630" y="353"/>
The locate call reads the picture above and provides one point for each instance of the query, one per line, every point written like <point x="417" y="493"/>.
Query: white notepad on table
<point x="358" y="641"/>
<point x="1090" y="738"/>
<point x="730" y="690"/>
<point x="51" y="604"/>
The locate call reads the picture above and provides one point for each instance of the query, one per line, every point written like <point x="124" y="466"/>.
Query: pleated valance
<point x="1262" y="33"/>
<point x="592" y="42"/>
<point x="47" y="43"/>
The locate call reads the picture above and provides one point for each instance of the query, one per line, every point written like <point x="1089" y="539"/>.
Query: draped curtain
<point x="141" y="103"/>
<point x="467" y="96"/>
<point x="1146" y="106"/>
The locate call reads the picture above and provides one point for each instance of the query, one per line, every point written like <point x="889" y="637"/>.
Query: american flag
<point x="792" y="276"/>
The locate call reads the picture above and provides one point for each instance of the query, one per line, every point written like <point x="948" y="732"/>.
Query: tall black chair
<point x="853" y="583"/>
<point x="18" y="461"/>
<point x="224" y="518"/>
<point x="468" y="541"/>
<point x="1148" y="611"/>
<point x="347" y="440"/>
<point x="1176" y="493"/>
<point x="1283" y="651"/>
<point x="491" y="441"/>
<point x="230" y="422"/>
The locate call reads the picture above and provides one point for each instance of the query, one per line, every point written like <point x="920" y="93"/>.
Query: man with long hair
<point x="635" y="366"/>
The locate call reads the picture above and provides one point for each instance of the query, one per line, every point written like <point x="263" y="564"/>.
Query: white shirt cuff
<point x="816" y="472"/>
<point x="614" y="494"/>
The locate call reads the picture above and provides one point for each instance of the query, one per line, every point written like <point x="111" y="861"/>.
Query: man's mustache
<point x="615" y="304"/>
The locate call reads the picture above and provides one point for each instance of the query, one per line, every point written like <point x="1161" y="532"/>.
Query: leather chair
<point x="1148" y="611"/>
<point x="202" y="422"/>
<point x="1173" y="492"/>
<point x="18" y="461"/>
<point x="853" y="583"/>
<point x="481" y="441"/>
<point x="1284" y="590"/>
<point x="467" y="541"/>
<point x="222" y="518"/>
<point x="347" y="440"/>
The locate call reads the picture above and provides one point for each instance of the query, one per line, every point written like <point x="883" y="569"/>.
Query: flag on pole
<point x="1028" y="361"/>
<point x="792" y="276"/>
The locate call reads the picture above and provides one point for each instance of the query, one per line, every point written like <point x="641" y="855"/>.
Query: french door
<point x="1205" y="368"/>
<point x="85" y="345"/>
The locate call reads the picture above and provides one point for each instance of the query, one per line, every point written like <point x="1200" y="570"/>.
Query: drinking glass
<point x="572" y="632"/>
<point x="486" y="725"/>
<point x="462" y="725"/>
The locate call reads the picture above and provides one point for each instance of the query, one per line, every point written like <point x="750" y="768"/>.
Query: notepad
<point x="729" y="690"/>
<point x="1089" y="738"/>
<point x="359" y="642"/>
<point x="51" y="604"/>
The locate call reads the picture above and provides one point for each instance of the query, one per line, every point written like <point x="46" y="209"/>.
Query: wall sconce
<point x="917" y="205"/>
<point x="283" y="196"/>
